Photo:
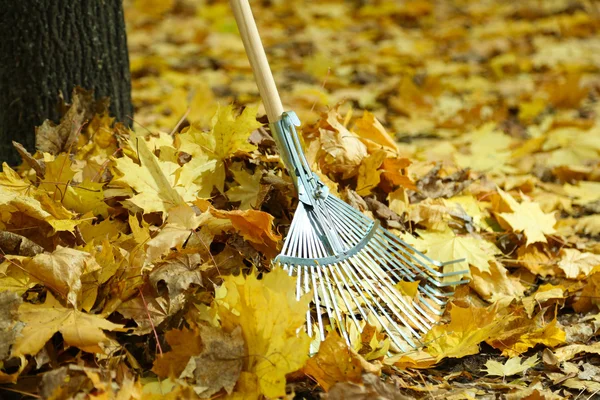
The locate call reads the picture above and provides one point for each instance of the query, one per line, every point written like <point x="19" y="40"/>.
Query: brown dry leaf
<point x="335" y="362"/>
<point x="9" y="327"/>
<point x="433" y="185"/>
<point x="15" y="244"/>
<point x="178" y="273"/>
<point x="78" y="329"/>
<point x="55" y="139"/>
<point x="344" y="151"/>
<point x="219" y="364"/>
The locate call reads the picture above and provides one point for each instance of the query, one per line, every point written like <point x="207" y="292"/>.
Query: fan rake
<point x="349" y="263"/>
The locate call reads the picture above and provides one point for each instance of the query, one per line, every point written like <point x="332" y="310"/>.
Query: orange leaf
<point x="254" y="226"/>
<point x="334" y="362"/>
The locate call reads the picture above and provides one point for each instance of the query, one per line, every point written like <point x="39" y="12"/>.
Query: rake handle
<point x="258" y="59"/>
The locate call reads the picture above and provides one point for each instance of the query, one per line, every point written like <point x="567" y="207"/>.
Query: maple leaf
<point x="204" y="173"/>
<point x="448" y="246"/>
<point x="184" y="344"/>
<point x="229" y="134"/>
<point x="181" y="223"/>
<point x="153" y="180"/>
<point x="576" y="264"/>
<point x="42" y="209"/>
<point x="496" y="284"/>
<point x="541" y="296"/>
<point x="247" y="191"/>
<point x="334" y="362"/>
<point x="369" y="174"/>
<point x="393" y="171"/>
<point x="526" y="217"/>
<point x="254" y="226"/>
<point x="61" y="270"/>
<point x="78" y="329"/>
<point x="467" y="328"/>
<point x="219" y="364"/>
<point x="513" y="366"/>
<point x="270" y="317"/>
<point x="522" y="333"/>
<point x="583" y="192"/>
<point x="370" y="130"/>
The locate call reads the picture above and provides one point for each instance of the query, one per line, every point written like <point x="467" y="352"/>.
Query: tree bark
<point x="48" y="47"/>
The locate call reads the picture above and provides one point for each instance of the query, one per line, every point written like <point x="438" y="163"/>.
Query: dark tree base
<point x="48" y="47"/>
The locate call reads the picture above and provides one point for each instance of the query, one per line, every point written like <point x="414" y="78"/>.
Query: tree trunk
<point x="48" y="47"/>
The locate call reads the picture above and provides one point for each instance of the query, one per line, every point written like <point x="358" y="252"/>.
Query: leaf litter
<point x="136" y="265"/>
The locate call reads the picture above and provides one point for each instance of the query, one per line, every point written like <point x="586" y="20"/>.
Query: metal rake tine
<point x="359" y="217"/>
<point x="357" y="283"/>
<point x="384" y="280"/>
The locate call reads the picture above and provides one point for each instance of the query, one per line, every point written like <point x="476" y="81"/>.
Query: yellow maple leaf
<point x="467" y="328"/>
<point x="41" y="208"/>
<point x="77" y="328"/>
<point x="577" y="265"/>
<point x="372" y="132"/>
<point x="369" y="174"/>
<point x="152" y="179"/>
<point x="229" y="134"/>
<point x="11" y="181"/>
<point x="270" y="317"/>
<point x="522" y="333"/>
<point x="512" y="366"/>
<point x="496" y="284"/>
<point x="447" y="246"/>
<point x="61" y="270"/>
<point x="526" y="217"/>
<point x="86" y="197"/>
<point x="584" y="192"/>
<point x="180" y="224"/>
<point x="247" y="191"/>
<point x="489" y="151"/>
<point x="204" y="173"/>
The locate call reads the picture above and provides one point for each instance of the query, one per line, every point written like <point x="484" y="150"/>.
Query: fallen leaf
<point x="270" y="318"/>
<point x="248" y="189"/>
<point x="335" y="362"/>
<point x="78" y="329"/>
<point x="527" y="217"/>
<point x="512" y="366"/>
<point x="467" y="328"/>
<point x="577" y="265"/>
<point x="254" y="226"/>
<point x="219" y="364"/>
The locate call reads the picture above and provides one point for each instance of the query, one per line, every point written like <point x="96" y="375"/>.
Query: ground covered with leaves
<point x="137" y="265"/>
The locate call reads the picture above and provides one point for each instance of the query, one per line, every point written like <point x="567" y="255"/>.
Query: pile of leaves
<point x="137" y="264"/>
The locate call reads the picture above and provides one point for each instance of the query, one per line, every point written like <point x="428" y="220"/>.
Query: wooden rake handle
<point x="258" y="59"/>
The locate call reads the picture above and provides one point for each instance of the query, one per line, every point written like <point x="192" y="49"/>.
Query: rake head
<point x="351" y="264"/>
